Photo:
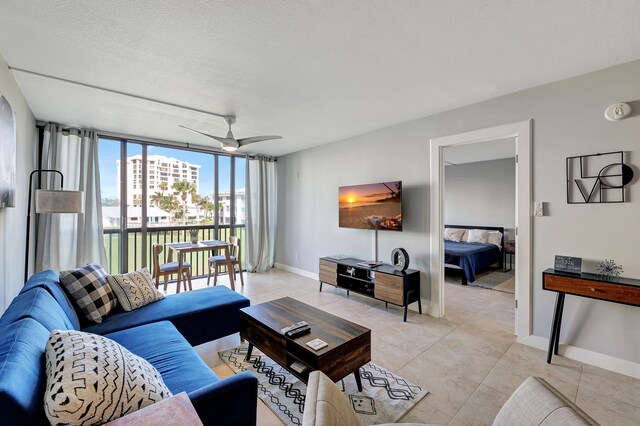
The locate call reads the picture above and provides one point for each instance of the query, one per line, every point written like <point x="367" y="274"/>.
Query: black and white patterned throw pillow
<point x="89" y="289"/>
<point x="92" y="379"/>
<point x="134" y="289"/>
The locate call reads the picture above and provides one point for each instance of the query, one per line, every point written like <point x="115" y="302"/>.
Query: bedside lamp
<point x="51" y="201"/>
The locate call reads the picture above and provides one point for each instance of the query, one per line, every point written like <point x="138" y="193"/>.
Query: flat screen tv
<point x="371" y="206"/>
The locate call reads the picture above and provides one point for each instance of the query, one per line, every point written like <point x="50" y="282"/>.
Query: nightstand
<point x="509" y="249"/>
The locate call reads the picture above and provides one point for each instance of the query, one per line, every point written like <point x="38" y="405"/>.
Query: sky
<point x="110" y="153"/>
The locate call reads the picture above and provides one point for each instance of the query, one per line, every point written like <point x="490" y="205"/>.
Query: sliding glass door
<point x="155" y="195"/>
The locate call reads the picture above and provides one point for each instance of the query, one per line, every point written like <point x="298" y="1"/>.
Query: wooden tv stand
<point x="382" y="282"/>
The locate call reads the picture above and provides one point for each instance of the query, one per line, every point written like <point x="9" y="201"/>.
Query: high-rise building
<point x="160" y="169"/>
<point x="225" y="208"/>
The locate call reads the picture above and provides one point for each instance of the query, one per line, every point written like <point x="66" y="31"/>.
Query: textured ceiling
<point x="311" y="71"/>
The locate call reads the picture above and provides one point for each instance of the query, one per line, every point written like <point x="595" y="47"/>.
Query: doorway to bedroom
<point x="479" y="205"/>
<point x="519" y="133"/>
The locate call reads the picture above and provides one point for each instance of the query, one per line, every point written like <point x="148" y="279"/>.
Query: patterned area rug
<point x="497" y="280"/>
<point x="385" y="397"/>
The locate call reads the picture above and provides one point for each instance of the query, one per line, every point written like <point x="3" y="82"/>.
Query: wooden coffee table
<point x="349" y="343"/>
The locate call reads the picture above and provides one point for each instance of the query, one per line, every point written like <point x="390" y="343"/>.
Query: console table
<point x="617" y="290"/>
<point x="382" y="282"/>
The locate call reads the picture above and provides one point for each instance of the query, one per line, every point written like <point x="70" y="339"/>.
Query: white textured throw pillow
<point x="134" y="289"/>
<point x="93" y="380"/>
<point x="477" y="236"/>
<point x="494" y="237"/>
<point x="453" y="234"/>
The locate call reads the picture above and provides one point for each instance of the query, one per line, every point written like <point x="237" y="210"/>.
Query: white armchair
<point x="534" y="403"/>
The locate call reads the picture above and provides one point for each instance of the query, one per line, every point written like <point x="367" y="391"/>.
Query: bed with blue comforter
<point x="471" y="257"/>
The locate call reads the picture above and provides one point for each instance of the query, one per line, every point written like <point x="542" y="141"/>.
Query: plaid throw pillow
<point x="89" y="289"/>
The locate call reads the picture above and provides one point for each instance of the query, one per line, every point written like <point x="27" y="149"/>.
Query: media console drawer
<point x="389" y="288"/>
<point x="328" y="272"/>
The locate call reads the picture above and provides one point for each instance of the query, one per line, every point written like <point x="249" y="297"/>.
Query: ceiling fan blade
<point x="247" y="141"/>
<point x="203" y="134"/>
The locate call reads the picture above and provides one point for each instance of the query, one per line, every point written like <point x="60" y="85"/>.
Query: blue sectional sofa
<point x="162" y="332"/>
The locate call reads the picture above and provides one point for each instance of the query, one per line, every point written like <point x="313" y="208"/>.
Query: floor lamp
<point x="51" y="201"/>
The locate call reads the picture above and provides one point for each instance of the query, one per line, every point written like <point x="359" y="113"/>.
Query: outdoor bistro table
<point x="182" y="248"/>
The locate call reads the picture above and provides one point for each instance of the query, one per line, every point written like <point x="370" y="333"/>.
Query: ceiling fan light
<point x="229" y="148"/>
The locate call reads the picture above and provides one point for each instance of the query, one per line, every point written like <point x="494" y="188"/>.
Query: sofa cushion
<point x="164" y="347"/>
<point x="221" y="259"/>
<point x="536" y="402"/>
<point x="92" y="379"/>
<point x="199" y="315"/>
<point x="326" y="405"/>
<point x="173" y="266"/>
<point x="40" y="305"/>
<point x="90" y="291"/>
<point x="134" y="289"/>
<point x="50" y="281"/>
<point x="22" y="376"/>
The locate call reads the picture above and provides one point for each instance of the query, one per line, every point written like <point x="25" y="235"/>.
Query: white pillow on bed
<point x="478" y="236"/>
<point x="453" y="234"/>
<point x="494" y="237"/>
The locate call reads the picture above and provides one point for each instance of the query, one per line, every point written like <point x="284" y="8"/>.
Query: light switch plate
<point x="538" y="208"/>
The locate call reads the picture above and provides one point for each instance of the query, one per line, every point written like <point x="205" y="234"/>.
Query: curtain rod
<point x="117" y="92"/>
<point x="166" y="143"/>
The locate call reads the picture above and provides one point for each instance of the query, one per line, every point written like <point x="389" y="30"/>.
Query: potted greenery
<point x="193" y="232"/>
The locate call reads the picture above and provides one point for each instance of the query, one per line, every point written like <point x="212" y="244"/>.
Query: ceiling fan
<point x="230" y="143"/>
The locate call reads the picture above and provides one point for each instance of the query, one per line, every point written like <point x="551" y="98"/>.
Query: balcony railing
<point x="164" y="235"/>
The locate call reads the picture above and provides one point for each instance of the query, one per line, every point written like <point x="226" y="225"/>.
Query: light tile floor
<point x="469" y="360"/>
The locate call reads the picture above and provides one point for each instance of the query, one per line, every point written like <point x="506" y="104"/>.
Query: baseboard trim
<point x="297" y="271"/>
<point x="608" y="362"/>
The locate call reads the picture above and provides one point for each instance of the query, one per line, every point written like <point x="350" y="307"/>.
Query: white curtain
<point x="261" y="213"/>
<point x="68" y="240"/>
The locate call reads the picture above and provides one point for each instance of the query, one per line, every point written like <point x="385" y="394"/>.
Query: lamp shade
<point x="57" y="201"/>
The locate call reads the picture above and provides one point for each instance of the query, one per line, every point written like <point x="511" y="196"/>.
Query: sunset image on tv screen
<point x="373" y="206"/>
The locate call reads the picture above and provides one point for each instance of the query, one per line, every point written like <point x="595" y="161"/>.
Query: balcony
<point x="164" y="235"/>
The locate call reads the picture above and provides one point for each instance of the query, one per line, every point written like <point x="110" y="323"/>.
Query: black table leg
<point x="249" y="350"/>
<point x="559" y="326"/>
<point x="320" y="286"/>
<point x="386" y="305"/>
<point x="420" y="306"/>
<point x="557" y="318"/>
<point x="358" y="381"/>
<point x="405" y="312"/>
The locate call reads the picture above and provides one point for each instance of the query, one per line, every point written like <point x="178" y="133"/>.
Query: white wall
<point x="13" y="220"/>
<point x="481" y="193"/>
<point x="568" y="120"/>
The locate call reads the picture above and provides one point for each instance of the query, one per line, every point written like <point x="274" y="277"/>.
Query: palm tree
<point x="196" y="199"/>
<point x="185" y="188"/>
<point x="209" y="207"/>
<point x="163" y="187"/>
<point x="170" y="204"/>
<point x="220" y="209"/>
<point x="157" y="198"/>
<point x="203" y="202"/>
